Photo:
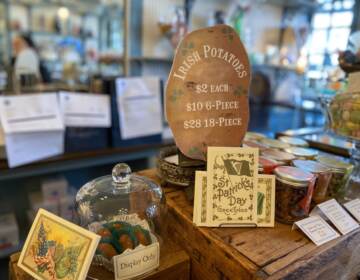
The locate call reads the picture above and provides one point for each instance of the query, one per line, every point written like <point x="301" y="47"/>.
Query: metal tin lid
<point x="335" y="164"/>
<point x="278" y="155"/>
<point x="311" y="166"/>
<point x="302" y="152"/>
<point x="264" y="162"/>
<point x="253" y="144"/>
<point x="293" y="141"/>
<point x="293" y="176"/>
<point x="254" y="136"/>
<point x="273" y="143"/>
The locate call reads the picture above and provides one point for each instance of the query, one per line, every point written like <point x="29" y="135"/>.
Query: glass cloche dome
<point x="128" y="211"/>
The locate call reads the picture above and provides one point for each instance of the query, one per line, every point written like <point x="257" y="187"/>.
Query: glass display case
<point x="128" y="212"/>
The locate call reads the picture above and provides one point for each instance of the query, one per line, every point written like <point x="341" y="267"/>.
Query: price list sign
<point x="207" y="91"/>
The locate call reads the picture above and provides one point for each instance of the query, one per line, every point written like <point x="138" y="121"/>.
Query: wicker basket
<point x="175" y="174"/>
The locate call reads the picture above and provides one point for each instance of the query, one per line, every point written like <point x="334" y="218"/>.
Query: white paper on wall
<point x="139" y="106"/>
<point x="30" y="112"/>
<point x="33" y="127"/>
<point x="23" y="148"/>
<point x="85" y="109"/>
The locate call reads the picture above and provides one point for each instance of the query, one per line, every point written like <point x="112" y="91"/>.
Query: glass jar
<point x="302" y="153"/>
<point x="294" y="189"/>
<point x="274" y="144"/>
<point x="282" y="158"/>
<point x="293" y="141"/>
<point x="323" y="177"/>
<point x="128" y="212"/>
<point x="340" y="173"/>
<point x="267" y="165"/>
<point x="254" y="144"/>
<point x="344" y="111"/>
<point x="254" y="136"/>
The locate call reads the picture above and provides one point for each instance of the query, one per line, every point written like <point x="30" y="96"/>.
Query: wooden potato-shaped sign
<point x="207" y="91"/>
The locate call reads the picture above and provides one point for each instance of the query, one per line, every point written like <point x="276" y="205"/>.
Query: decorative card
<point x="266" y="201"/>
<point x="317" y="229"/>
<point x="232" y="186"/>
<point x="333" y="211"/>
<point x="57" y="249"/>
<point x="353" y="207"/>
<point x="200" y="205"/>
<point x="207" y="91"/>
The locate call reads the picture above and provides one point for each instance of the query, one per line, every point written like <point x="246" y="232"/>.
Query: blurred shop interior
<point x="85" y="46"/>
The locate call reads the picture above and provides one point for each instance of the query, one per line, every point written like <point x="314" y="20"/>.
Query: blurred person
<point x="27" y="60"/>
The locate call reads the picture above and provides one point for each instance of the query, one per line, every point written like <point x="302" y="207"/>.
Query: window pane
<point x="316" y="59"/>
<point x="334" y="59"/>
<point x="348" y="4"/>
<point x="342" y="19"/>
<point x="338" y="39"/>
<point x="337" y="5"/>
<point x="321" y="20"/>
<point x="327" y="6"/>
<point x="318" y="41"/>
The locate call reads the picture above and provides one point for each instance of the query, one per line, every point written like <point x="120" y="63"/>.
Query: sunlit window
<point x="331" y="25"/>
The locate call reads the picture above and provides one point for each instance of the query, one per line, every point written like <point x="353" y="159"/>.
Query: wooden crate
<point x="249" y="253"/>
<point x="173" y="261"/>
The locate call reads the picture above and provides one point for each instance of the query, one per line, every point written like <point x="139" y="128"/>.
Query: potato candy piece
<point x="106" y="250"/>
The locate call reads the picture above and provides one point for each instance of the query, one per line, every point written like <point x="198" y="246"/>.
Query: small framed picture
<point x="57" y="249"/>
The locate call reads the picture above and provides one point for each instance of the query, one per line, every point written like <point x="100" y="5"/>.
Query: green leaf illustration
<point x="176" y="94"/>
<point x="240" y="91"/>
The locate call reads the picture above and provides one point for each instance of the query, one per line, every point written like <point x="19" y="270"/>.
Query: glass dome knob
<point x="121" y="174"/>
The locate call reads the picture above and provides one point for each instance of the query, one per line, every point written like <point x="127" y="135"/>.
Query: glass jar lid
<point x="336" y="165"/>
<point x="278" y="155"/>
<point x="311" y="166"/>
<point x="293" y="176"/>
<point x="302" y="152"/>
<point x="267" y="162"/>
<point x="254" y="144"/>
<point x="254" y="136"/>
<point x="273" y="143"/>
<point x="293" y="141"/>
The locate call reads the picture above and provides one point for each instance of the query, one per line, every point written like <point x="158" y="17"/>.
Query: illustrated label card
<point x="57" y="249"/>
<point x="207" y="91"/>
<point x="337" y="215"/>
<point x="266" y="201"/>
<point x="265" y="204"/>
<point x="353" y="207"/>
<point x="317" y="229"/>
<point x="232" y="186"/>
<point x="200" y="196"/>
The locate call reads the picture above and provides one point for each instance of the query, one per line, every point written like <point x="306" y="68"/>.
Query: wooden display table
<point x="247" y="253"/>
<point x="173" y="261"/>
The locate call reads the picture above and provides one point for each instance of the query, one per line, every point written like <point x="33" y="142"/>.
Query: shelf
<point x="4" y="253"/>
<point x="309" y="4"/>
<point x="69" y="161"/>
<point x="53" y="34"/>
<point x="83" y="7"/>
<point x="277" y="67"/>
<point x="120" y="59"/>
<point x="152" y="59"/>
<point x="318" y="139"/>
